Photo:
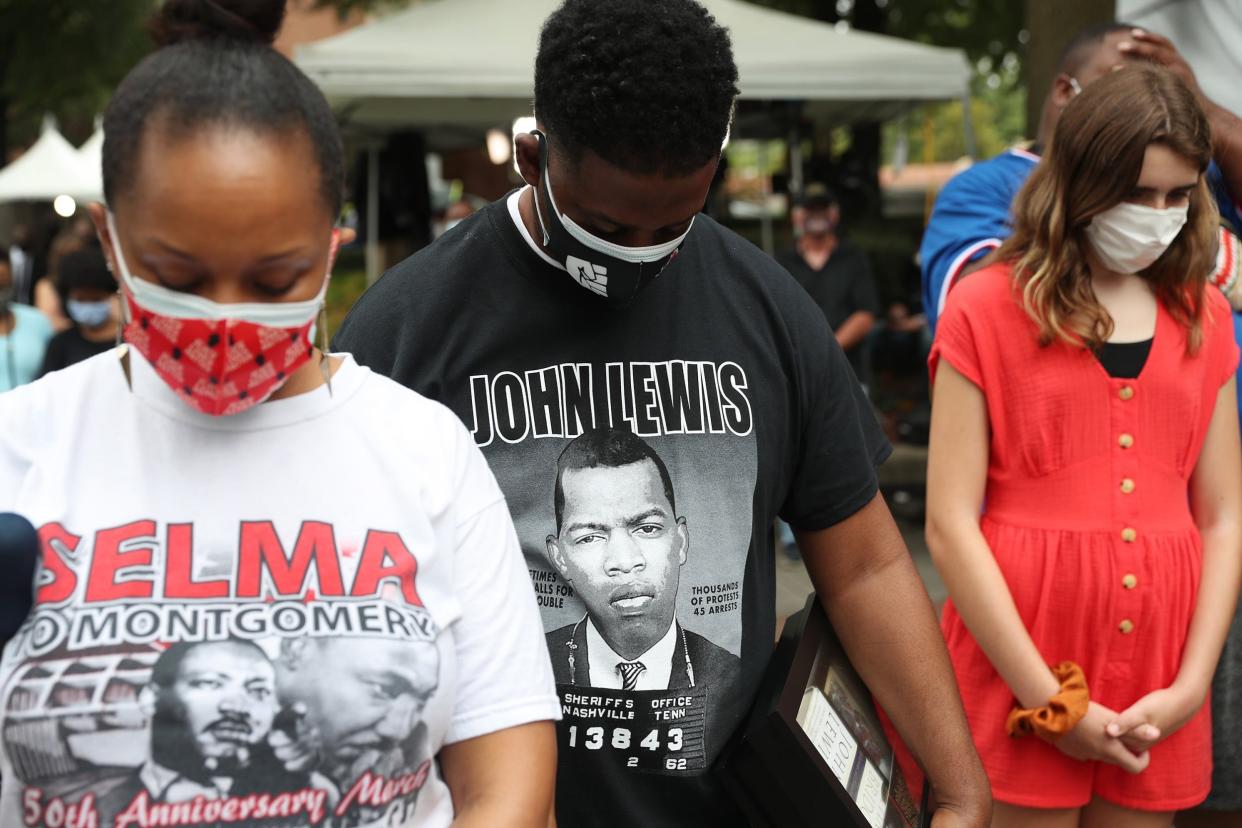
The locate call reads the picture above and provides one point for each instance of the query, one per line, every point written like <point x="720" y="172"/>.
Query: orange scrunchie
<point x="1060" y="714"/>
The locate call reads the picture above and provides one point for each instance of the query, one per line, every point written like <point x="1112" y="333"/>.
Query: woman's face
<point x="226" y="213"/>
<point x="1166" y="180"/>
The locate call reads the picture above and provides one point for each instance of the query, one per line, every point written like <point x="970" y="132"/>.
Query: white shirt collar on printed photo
<point x="658" y="661"/>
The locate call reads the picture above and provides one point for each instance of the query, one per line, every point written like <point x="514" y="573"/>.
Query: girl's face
<point x="1166" y="180"/>
<point x="227" y="213"/>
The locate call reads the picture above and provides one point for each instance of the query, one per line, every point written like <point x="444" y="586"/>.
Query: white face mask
<point x="1129" y="237"/>
<point x="632" y="255"/>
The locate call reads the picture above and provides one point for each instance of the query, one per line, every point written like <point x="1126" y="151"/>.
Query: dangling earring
<point x="325" y="362"/>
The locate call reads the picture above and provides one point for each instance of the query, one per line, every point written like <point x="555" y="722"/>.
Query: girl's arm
<point x="1216" y="503"/>
<point x="956" y="477"/>
<point x="956" y="474"/>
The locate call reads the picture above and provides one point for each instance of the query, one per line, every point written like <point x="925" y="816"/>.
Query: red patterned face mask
<point x="219" y="359"/>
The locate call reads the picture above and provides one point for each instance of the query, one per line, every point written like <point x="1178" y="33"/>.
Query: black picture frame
<point x="776" y="771"/>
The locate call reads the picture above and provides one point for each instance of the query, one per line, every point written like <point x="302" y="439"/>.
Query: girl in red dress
<point x="1085" y="477"/>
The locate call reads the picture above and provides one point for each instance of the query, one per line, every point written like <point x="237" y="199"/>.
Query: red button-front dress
<point x="1087" y="512"/>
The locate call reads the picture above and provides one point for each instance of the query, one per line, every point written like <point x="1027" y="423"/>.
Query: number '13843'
<point x="595" y="738"/>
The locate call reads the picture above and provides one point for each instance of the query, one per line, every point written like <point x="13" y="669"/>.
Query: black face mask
<point x="612" y="271"/>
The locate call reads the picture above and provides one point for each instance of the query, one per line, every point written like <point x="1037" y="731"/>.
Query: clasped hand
<point x="1125" y="739"/>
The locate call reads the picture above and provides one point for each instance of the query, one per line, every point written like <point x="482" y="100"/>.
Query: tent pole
<point x="968" y="126"/>
<point x="796" y="183"/>
<point x="373" y="207"/>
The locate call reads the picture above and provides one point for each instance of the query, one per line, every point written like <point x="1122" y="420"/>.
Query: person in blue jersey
<point x="971" y="215"/>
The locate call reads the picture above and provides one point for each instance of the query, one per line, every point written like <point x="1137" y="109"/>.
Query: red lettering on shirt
<point x="384" y="556"/>
<point x="179" y="579"/>
<point x="373" y="790"/>
<point x="261" y="551"/>
<point x="109" y="562"/>
<point x="53" y="538"/>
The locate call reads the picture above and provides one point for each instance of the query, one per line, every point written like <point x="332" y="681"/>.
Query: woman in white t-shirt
<point x="276" y="589"/>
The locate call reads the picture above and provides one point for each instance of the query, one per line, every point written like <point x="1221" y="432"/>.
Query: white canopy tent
<point x="91" y="154"/>
<point x="470" y="63"/>
<point x="50" y="168"/>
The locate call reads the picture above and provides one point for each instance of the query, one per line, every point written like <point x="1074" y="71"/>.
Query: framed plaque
<point x="813" y="752"/>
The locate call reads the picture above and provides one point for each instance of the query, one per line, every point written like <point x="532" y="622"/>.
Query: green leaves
<point x="65" y="57"/>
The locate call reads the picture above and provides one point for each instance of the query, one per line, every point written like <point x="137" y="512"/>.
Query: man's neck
<point x="633" y="646"/>
<point x="7" y="323"/>
<point x="526" y="208"/>
<point x="99" y="333"/>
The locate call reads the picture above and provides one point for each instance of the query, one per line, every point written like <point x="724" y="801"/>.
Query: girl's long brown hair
<point x="1093" y="164"/>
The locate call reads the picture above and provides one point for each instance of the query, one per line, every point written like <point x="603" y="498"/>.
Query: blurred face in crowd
<point x="820" y="220"/>
<point x="94" y="300"/>
<point x="87" y="294"/>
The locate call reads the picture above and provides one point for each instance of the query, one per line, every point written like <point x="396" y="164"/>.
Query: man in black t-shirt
<point x="834" y="270"/>
<point x="598" y="297"/>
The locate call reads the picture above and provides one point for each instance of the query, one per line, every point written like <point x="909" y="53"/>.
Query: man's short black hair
<point x="1083" y="45"/>
<point x="4" y="255"/>
<point x="647" y="85"/>
<point x="606" y="448"/>
<point x="84" y="269"/>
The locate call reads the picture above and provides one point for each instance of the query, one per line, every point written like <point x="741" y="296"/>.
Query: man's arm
<point x="504" y="778"/>
<point x="871" y="591"/>
<point x="855" y="329"/>
<point x="866" y="305"/>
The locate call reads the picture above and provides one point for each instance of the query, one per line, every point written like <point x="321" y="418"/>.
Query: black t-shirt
<point x="69" y="347"/>
<point x="842" y="287"/>
<point x="728" y="373"/>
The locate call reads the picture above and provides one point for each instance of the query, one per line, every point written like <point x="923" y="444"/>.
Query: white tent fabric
<point x="471" y="62"/>
<point x="91" y="154"/>
<point x="1206" y="32"/>
<point x="50" y="168"/>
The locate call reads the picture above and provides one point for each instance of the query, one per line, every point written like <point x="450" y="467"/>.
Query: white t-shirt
<point x="273" y="618"/>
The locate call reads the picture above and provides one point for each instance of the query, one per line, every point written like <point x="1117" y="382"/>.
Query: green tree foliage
<point x="987" y="30"/>
<point x="64" y="57"/>
<point x="991" y="34"/>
